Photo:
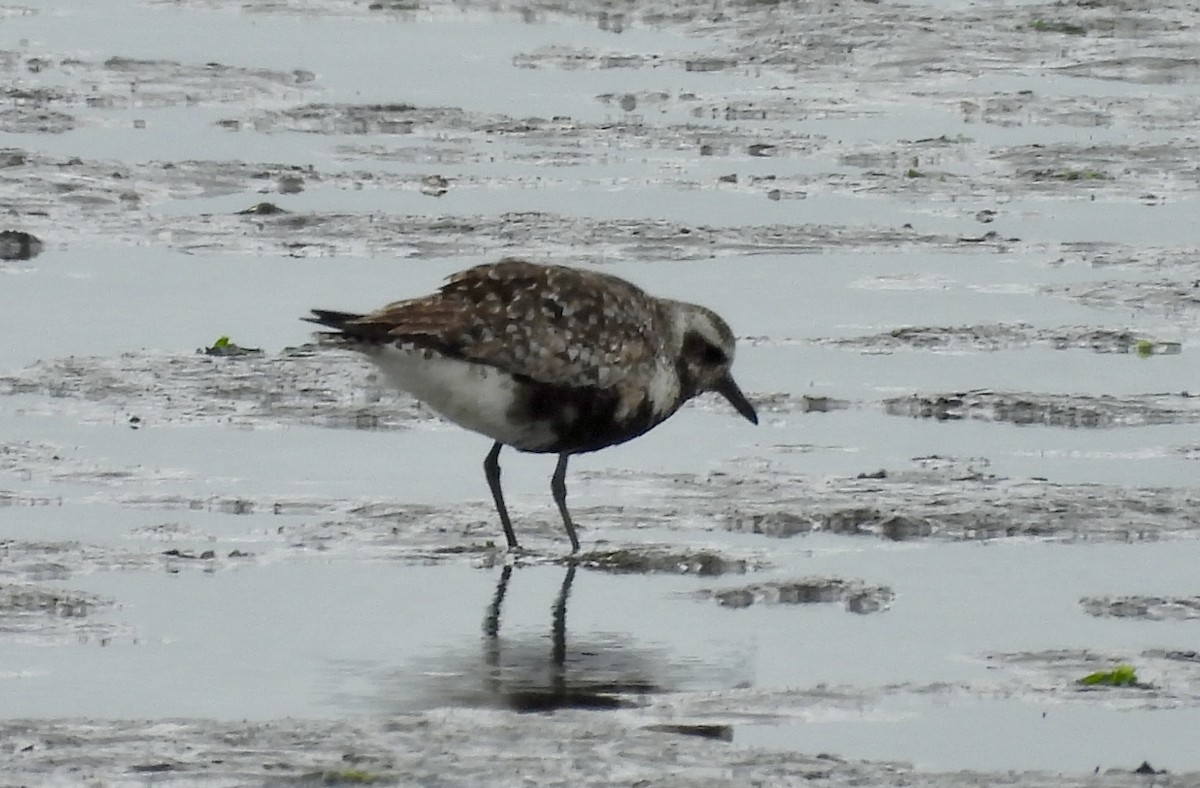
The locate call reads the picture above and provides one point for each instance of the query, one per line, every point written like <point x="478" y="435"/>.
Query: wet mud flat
<point x="573" y="706"/>
<point x="957" y="241"/>
<point x="453" y="747"/>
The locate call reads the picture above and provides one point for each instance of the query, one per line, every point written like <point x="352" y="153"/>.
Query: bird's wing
<point x="548" y="323"/>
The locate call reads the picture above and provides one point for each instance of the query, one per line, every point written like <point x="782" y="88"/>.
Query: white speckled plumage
<point x="546" y="359"/>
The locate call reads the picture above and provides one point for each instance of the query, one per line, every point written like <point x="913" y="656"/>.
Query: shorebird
<point x="545" y="359"/>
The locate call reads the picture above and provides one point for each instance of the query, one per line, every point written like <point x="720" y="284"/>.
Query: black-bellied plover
<point x="545" y="359"/>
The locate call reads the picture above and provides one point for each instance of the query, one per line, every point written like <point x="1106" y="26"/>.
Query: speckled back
<point x="551" y="324"/>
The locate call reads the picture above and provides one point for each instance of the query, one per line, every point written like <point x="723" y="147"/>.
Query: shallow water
<point x="962" y="269"/>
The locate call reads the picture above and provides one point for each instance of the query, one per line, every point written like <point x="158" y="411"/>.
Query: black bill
<point x="730" y="391"/>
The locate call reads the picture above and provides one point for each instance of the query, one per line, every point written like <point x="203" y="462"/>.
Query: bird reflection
<point x="511" y="667"/>
<point x="588" y="679"/>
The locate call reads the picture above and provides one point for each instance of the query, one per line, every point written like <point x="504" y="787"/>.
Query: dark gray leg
<point x="491" y="469"/>
<point x="558" y="486"/>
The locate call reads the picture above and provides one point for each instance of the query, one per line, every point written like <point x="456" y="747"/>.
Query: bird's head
<point x="706" y="356"/>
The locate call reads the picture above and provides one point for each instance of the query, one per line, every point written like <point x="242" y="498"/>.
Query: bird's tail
<point x="348" y="331"/>
<point x="332" y="319"/>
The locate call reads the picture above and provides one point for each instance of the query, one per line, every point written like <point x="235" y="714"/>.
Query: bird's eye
<point x="700" y="351"/>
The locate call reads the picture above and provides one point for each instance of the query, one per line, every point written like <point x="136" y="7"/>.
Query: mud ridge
<point x="565" y="238"/>
<point x="644" y="559"/>
<point x="1053" y="410"/>
<point x="1164" y="679"/>
<point x="50" y="92"/>
<point x="839" y="41"/>
<point x="301" y="385"/>
<point x="454" y="746"/>
<point x="933" y="499"/>
<point x="1178" y="298"/>
<point x="1005" y="336"/>
<point x="1150" y="608"/>
<point x="61" y="464"/>
<point x="854" y="595"/>
<point x="950" y="500"/>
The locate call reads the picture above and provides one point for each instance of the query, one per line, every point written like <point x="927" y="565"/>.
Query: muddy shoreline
<point x="957" y="242"/>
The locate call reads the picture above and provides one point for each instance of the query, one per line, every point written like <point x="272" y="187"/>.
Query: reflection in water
<point x="534" y="667"/>
<point x="528" y="683"/>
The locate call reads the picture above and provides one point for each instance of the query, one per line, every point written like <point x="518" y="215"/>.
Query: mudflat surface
<point x="957" y="242"/>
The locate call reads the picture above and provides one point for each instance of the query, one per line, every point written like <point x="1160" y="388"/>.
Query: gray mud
<point x="88" y="196"/>
<point x="446" y="748"/>
<point x="1164" y="678"/>
<point x="120" y="83"/>
<point x="1150" y="608"/>
<point x="855" y="596"/>
<point x="1026" y="408"/>
<point x="297" y="386"/>
<point x="227" y="566"/>
<point x="48" y="615"/>
<point x="1162" y="295"/>
<point x="645" y="559"/>
<point x="937" y="498"/>
<point x="1001" y="336"/>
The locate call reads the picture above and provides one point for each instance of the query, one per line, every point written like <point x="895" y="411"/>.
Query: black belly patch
<point x="582" y="418"/>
